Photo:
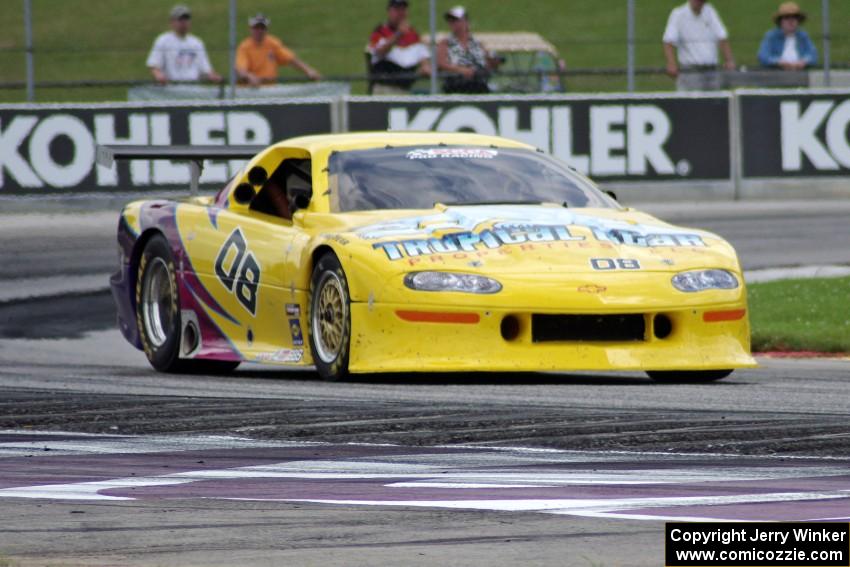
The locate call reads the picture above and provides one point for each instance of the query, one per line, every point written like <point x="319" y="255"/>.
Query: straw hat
<point x="789" y="9"/>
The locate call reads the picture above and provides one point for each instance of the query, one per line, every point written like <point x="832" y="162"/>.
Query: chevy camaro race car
<point x="421" y="252"/>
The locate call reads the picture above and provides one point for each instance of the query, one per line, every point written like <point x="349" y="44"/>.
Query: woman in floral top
<point x="463" y="58"/>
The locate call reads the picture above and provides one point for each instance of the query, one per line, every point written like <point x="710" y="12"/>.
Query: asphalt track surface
<point x="270" y="468"/>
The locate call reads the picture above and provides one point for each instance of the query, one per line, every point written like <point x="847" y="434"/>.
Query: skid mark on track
<point x="576" y="483"/>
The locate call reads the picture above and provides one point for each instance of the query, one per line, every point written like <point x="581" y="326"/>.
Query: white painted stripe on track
<point x="570" y="506"/>
<point x="463" y="470"/>
<point x="459" y="479"/>
<point x="460" y="485"/>
<point x="88" y="490"/>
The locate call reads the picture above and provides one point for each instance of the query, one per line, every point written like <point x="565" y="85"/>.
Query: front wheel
<point x="688" y="377"/>
<point x="158" y="314"/>
<point x="330" y="318"/>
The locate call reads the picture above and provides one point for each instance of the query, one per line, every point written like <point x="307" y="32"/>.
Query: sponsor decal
<point x="293" y="312"/>
<point x="478" y="229"/>
<point x="287" y="355"/>
<point x="295" y="331"/>
<point x="592" y="288"/>
<point x="449" y="153"/>
<point x="336" y="238"/>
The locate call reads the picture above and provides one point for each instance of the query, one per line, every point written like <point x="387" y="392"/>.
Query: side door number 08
<point x="242" y="274"/>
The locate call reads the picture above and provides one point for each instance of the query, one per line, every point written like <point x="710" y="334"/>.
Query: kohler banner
<point x="51" y="148"/>
<point x="794" y="134"/>
<point x="652" y="138"/>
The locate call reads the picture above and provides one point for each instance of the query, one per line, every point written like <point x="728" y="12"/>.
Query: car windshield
<point x="417" y="177"/>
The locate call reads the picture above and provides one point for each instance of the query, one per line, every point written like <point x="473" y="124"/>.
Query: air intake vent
<point x="611" y="328"/>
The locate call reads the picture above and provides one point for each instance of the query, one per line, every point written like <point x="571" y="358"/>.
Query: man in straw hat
<point x="787" y="46"/>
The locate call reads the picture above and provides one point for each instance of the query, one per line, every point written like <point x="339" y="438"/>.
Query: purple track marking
<point x="614" y="485"/>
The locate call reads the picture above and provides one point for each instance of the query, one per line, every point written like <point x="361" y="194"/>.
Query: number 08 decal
<point x="238" y="270"/>
<point x="607" y="264"/>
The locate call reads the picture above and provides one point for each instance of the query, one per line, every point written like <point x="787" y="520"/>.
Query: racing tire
<point x="688" y="377"/>
<point x="158" y="314"/>
<point x="330" y="318"/>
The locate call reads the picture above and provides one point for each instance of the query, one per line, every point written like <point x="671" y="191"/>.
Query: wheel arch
<point x="320" y="251"/>
<point x="361" y="275"/>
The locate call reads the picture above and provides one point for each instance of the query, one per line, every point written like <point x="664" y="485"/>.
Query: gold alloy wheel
<point x="329" y="318"/>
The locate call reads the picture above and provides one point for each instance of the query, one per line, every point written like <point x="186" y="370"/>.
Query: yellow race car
<point x="420" y="252"/>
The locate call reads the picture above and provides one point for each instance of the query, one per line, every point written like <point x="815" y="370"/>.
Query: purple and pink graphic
<point x="639" y="486"/>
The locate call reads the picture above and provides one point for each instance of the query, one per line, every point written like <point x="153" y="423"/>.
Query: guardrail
<point x="742" y="77"/>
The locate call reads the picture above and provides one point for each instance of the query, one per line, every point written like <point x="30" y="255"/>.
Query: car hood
<point x="527" y="239"/>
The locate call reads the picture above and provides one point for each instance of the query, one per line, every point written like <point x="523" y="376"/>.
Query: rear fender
<point x="139" y="223"/>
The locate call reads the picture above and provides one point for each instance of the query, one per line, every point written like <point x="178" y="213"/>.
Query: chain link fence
<point x="82" y="50"/>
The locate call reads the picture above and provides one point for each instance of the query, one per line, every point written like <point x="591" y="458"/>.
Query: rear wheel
<point x="688" y="377"/>
<point x="158" y="313"/>
<point x="330" y="318"/>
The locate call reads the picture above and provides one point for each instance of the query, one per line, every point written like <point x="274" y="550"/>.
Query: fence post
<point x="30" y="63"/>
<point x="630" y="45"/>
<point x="232" y="50"/>
<point x="433" y="25"/>
<point x="827" y="55"/>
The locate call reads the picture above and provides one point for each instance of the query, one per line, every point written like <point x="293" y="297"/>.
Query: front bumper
<point x="386" y="338"/>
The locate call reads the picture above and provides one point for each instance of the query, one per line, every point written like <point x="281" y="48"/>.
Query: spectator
<point x="259" y="56"/>
<point x="695" y="31"/>
<point x="463" y="57"/>
<point x="395" y="48"/>
<point x="787" y="46"/>
<point x="178" y="55"/>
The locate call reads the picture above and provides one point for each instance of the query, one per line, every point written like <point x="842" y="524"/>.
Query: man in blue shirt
<point x="787" y="46"/>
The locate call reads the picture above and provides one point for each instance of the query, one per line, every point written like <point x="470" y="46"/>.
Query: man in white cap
<point x="179" y="56"/>
<point x="259" y="56"/>
<point x="695" y="31"/>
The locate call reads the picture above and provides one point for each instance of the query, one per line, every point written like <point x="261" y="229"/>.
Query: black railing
<point x="358" y="78"/>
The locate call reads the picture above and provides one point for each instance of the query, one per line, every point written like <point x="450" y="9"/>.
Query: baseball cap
<point x="180" y="11"/>
<point x="259" y="19"/>
<point x="398" y="4"/>
<point x="458" y="13"/>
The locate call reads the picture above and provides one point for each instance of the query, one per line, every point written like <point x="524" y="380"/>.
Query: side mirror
<point x="244" y="193"/>
<point x="258" y="176"/>
<point x="299" y="198"/>
<point x="612" y="195"/>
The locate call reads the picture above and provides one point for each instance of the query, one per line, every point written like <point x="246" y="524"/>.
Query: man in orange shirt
<point x="259" y="56"/>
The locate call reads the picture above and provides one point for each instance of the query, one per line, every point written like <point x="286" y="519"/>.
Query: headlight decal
<point x="701" y="280"/>
<point x="451" y="281"/>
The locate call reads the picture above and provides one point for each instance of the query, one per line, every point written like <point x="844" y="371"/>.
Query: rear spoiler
<point x="195" y="155"/>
